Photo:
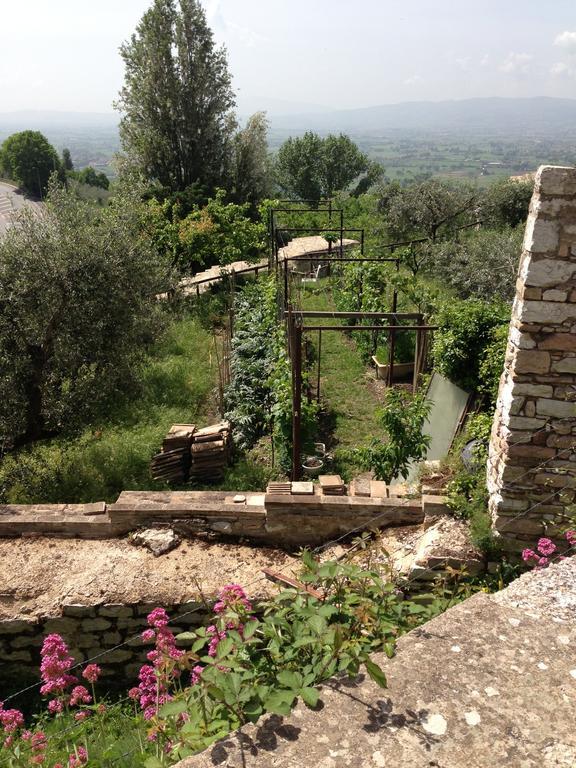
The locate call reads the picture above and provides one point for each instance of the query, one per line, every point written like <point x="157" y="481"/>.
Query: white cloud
<point x="485" y="60"/>
<point x="567" y="40"/>
<point x="414" y="80"/>
<point x="517" y="63"/>
<point x="560" y="69"/>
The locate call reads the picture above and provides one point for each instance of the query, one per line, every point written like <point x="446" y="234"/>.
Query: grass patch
<point x="113" y="452"/>
<point x="347" y="385"/>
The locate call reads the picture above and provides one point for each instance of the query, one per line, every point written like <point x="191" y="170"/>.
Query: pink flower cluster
<point x="153" y="688"/>
<point x="38" y="744"/>
<point x="55" y="666"/>
<point x="232" y="597"/>
<point x="78" y="758"/>
<point x="545" y="548"/>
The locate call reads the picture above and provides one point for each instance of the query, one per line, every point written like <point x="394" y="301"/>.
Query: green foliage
<point x="459" y="348"/>
<point x="91" y="177"/>
<point x="243" y="667"/>
<point x="428" y="209"/>
<point x="402" y="419"/>
<point x="177" y="98"/>
<point x="467" y="491"/>
<point x="219" y="233"/>
<point x="259" y="398"/>
<point x="77" y="305"/>
<point x="506" y="203"/>
<point x="251" y="176"/>
<point x="173" y="385"/>
<point x="29" y="159"/>
<point x="492" y="364"/>
<point x="67" y="163"/>
<point x="310" y="167"/>
<point x="481" y="263"/>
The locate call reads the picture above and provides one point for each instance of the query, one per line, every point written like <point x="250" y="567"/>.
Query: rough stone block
<point x="555" y="180"/>
<point x="16" y="627"/>
<point x="532" y="361"/>
<point x="532" y="390"/>
<point x="553" y="294"/>
<point x="563" y="342"/>
<point x="549" y="272"/>
<point x="557" y="408"/>
<point x="114" y="611"/>
<point x="547" y="312"/>
<point x="79" y="611"/>
<point x="95" y="625"/>
<point x="541" y="236"/>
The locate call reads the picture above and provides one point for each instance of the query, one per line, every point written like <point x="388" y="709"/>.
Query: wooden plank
<point x="280" y="578"/>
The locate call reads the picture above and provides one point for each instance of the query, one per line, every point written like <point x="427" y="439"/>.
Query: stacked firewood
<point x="172" y="464"/>
<point x="210" y="452"/>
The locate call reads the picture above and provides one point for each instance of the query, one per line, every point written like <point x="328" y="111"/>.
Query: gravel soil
<point x="39" y="575"/>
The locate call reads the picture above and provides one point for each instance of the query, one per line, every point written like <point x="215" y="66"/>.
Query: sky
<point x="290" y="55"/>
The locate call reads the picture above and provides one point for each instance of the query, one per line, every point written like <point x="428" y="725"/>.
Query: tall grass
<point x="111" y="454"/>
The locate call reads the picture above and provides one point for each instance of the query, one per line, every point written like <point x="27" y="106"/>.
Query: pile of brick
<point x="172" y="464"/>
<point x="193" y="454"/>
<point x="210" y="452"/>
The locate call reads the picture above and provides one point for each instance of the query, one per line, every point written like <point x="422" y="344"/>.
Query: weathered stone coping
<point x="491" y="682"/>
<point x="280" y="520"/>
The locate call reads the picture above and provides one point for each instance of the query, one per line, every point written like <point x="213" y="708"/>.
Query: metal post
<point x="393" y="332"/>
<point x="296" y="399"/>
<point x="318" y="376"/>
<point x="286" y="297"/>
<point x="416" y="361"/>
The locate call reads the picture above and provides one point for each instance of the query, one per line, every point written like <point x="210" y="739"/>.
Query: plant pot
<point x="312" y="466"/>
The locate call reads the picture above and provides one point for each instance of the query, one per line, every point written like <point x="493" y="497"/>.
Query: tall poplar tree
<point x="177" y="100"/>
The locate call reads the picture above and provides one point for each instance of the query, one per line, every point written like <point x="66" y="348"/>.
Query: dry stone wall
<point x="532" y="458"/>
<point x="109" y="631"/>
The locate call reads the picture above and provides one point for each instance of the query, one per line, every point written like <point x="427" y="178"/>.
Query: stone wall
<point x="532" y="458"/>
<point x="92" y="630"/>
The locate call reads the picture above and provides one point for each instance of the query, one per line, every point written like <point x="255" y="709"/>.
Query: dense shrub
<point x="466" y="330"/>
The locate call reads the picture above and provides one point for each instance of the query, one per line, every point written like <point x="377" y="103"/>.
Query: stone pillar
<point x="532" y="457"/>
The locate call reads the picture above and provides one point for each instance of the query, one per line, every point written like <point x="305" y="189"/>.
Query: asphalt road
<point x="10" y="201"/>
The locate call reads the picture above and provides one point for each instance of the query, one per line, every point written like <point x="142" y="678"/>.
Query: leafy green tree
<point x="77" y="288"/>
<point x="29" y="159"/>
<point x="177" y="98"/>
<point x="402" y="419"/>
<point x="483" y="263"/>
<point x="94" y="179"/>
<point x="427" y="209"/>
<point x="506" y="202"/>
<point x="251" y="170"/>
<point x="67" y="163"/>
<point x="310" y="167"/>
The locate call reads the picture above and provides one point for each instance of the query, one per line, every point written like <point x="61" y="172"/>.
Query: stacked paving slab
<point x="532" y="459"/>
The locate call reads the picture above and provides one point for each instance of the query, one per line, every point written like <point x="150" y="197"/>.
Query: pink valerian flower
<point x="82" y="715"/>
<point x="79" y="696"/>
<point x="196" y="674"/>
<point x="157" y="618"/>
<point x="55" y="666"/>
<point x="79" y="758"/>
<point x="134" y="693"/>
<point x="148" y="635"/>
<point x="11" y="719"/>
<point x="543" y="562"/>
<point x="232" y="597"/>
<point x="55" y="706"/>
<point x="546" y="547"/>
<point x="91" y="673"/>
<point x="571" y="538"/>
<point x="216" y="637"/>
<point x="528" y="555"/>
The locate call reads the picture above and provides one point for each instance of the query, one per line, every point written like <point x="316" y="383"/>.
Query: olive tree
<point x="77" y="302"/>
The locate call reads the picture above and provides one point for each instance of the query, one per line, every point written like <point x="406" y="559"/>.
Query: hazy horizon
<point x="308" y="56"/>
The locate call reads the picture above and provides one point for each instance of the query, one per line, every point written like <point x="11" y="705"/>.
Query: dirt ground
<point x="39" y="575"/>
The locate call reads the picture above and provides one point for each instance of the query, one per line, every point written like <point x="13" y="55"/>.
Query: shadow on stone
<point x="267" y="738"/>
